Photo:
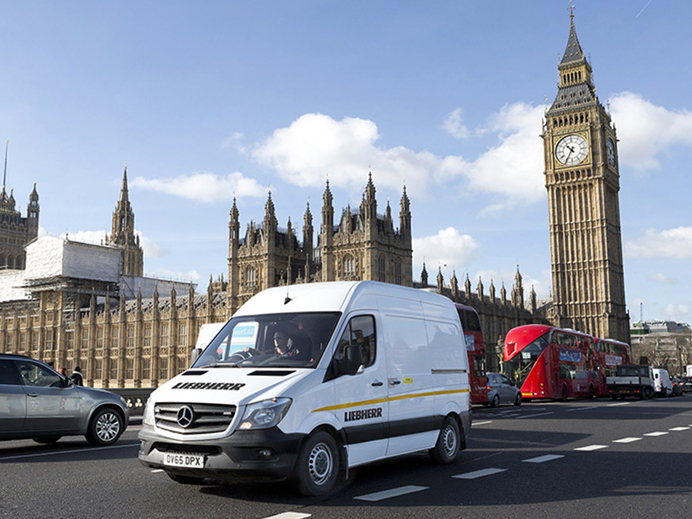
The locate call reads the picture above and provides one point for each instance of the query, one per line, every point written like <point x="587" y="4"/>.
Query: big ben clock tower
<point x="582" y="179"/>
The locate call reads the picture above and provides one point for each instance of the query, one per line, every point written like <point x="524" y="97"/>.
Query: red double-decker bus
<point x="611" y="354"/>
<point x="548" y="362"/>
<point x="475" y="347"/>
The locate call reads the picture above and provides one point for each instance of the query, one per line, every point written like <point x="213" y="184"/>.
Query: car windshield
<point x="272" y="340"/>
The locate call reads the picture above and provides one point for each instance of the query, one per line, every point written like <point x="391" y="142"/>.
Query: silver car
<point x="502" y="391"/>
<point x="37" y="402"/>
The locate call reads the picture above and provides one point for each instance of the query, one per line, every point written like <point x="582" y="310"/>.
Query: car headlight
<point x="265" y="414"/>
<point x="148" y="417"/>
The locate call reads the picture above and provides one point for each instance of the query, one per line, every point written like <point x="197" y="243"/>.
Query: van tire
<point x="448" y="443"/>
<point x="317" y="466"/>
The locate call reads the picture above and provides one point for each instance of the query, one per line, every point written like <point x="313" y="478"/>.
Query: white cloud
<point x="453" y="126"/>
<point x="151" y="249"/>
<point x="448" y="248"/>
<point x="669" y="244"/>
<point x="676" y="311"/>
<point x="235" y="141"/>
<point x="514" y="168"/>
<point x="204" y="187"/>
<point x="660" y="277"/>
<point x="315" y="147"/>
<point x="647" y="131"/>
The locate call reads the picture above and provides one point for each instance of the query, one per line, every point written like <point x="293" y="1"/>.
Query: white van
<point x="311" y="380"/>
<point x="662" y="384"/>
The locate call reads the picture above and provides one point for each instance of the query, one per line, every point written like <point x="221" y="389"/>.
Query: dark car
<point x="686" y="384"/>
<point x="501" y="390"/>
<point x="677" y="388"/>
<point x="38" y="402"/>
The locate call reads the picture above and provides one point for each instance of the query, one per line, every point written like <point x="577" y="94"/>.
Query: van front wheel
<point x="448" y="443"/>
<point x="317" y="467"/>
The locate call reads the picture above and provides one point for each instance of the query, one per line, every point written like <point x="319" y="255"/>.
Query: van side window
<point x="361" y="331"/>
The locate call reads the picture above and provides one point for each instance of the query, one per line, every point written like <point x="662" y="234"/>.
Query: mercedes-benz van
<point x="311" y="380"/>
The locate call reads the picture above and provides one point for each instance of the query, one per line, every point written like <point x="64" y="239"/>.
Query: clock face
<point x="571" y="150"/>
<point x="610" y="150"/>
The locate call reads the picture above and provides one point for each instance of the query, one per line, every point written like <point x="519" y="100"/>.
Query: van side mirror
<point x="195" y="355"/>
<point x="352" y="359"/>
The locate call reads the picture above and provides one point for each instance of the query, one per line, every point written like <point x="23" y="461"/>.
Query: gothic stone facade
<point x="142" y="342"/>
<point x="16" y="231"/>
<point x="364" y="245"/>
<point x="582" y="179"/>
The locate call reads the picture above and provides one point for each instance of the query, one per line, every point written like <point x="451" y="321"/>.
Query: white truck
<point x="311" y="380"/>
<point x="631" y="380"/>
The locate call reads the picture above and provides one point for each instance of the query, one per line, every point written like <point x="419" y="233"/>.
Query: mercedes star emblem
<point x="185" y="416"/>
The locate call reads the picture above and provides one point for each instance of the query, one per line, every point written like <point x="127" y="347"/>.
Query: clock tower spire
<point x="583" y="181"/>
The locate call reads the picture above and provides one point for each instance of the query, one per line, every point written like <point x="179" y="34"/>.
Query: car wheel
<point x="517" y="400"/>
<point x="496" y="401"/>
<point x="49" y="440"/>
<point x="185" y="480"/>
<point x="317" y="467"/>
<point x="448" y="443"/>
<point x="105" y="427"/>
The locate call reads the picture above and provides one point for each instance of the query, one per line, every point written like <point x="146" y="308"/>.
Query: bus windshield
<point x="273" y="340"/>
<point x="519" y="366"/>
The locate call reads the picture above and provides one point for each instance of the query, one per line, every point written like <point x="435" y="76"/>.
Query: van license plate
<point x="194" y="461"/>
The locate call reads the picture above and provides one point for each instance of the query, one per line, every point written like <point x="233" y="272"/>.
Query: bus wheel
<point x="448" y="443"/>
<point x="317" y="467"/>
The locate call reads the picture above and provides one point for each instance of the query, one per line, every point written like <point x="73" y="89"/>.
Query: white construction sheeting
<point x="11" y="288"/>
<point x="49" y="256"/>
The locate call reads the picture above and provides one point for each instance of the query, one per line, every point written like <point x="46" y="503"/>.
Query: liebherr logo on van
<point x="221" y="386"/>
<point x="362" y="414"/>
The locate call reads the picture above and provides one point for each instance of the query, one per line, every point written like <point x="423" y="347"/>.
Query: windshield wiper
<point x="224" y="365"/>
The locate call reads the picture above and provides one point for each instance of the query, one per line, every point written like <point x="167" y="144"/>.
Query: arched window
<point x="349" y="267"/>
<point x="251" y="276"/>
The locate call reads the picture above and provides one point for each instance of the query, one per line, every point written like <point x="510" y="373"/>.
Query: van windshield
<point x="272" y="340"/>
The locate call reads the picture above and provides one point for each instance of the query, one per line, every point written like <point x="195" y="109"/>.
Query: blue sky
<point x="209" y="100"/>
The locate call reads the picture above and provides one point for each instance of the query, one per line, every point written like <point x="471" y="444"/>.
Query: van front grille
<point x="184" y="418"/>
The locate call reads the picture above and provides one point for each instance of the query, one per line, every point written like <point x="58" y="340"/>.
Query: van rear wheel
<point x="317" y="467"/>
<point x="448" y="443"/>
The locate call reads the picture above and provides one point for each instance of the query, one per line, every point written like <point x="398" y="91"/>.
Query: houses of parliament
<point x="127" y="330"/>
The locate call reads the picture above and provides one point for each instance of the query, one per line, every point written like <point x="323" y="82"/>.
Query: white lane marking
<point x="679" y="429"/>
<point x="533" y="415"/>
<point x="657" y="433"/>
<point x="543" y="459"/>
<point x="478" y="473"/>
<point x="394" y="492"/>
<point x="621" y="403"/>
<point x="581" y="408"/>
<point x="481" y="423"/>
<point x="54" y="453"/>
<point x="155" y="471"/>
<point x="289" y="515"/>
<point x="626" y="440"/>
<point x="589" y="448"/>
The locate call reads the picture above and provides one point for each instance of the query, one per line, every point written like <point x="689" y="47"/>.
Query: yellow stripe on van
<point x="389" y="399"/>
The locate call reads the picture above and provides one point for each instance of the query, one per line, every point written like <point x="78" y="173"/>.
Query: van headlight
<point x="148" y="417"/>
<point x="265" y="414"/>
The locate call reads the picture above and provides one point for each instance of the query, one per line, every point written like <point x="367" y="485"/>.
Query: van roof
<point x="338" y="296"/>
